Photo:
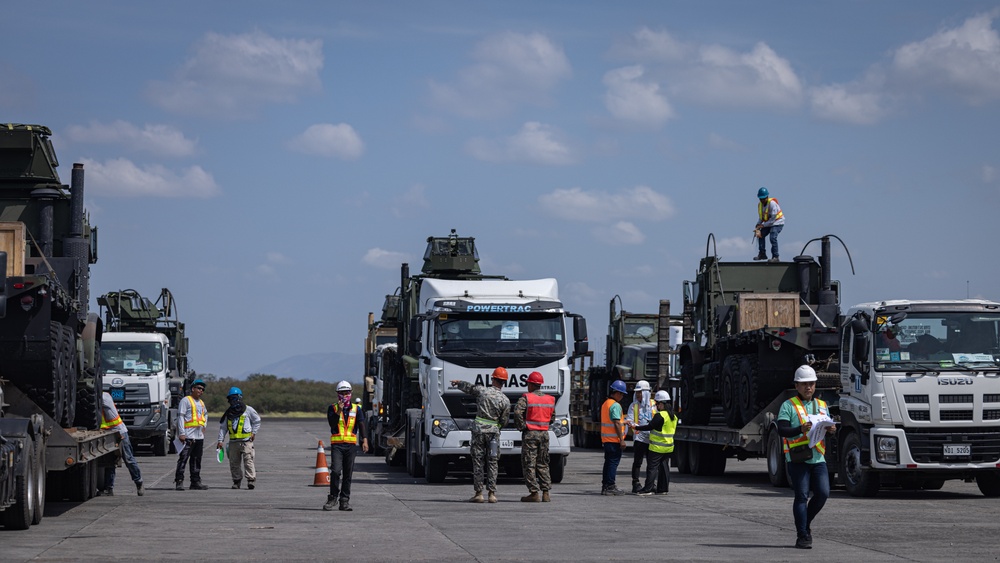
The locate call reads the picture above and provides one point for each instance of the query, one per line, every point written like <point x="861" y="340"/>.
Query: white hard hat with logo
<point x="805" y="374"/>
<point x="661" y="396"/>
<point x="642" y="386"/>
<point x="343" y="386"/>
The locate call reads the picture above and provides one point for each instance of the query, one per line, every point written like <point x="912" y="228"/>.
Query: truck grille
<point x="928" y="446"/>
<point x="920" y="415"/>
<point x="916" y="399"/>
<point x="991" y="414"/>
<point x="955" y="398"/>
<point x="921" y="408"/>
<point x="956" y="415"/>
<point x="136" y="403"/>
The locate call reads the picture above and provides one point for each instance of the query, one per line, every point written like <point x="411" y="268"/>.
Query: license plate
<point x="118" y="393"/>
<point x="957" y="450"/>
<point x="507" y="444"/>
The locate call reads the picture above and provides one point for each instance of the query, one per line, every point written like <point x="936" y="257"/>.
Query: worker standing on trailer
<point x="533" y="414"/>
<point x="640" y="412"/>
<point x="806" y="465"/>
<point x="492" y="412"/>
<point x="770" y="221"/>
<point x="612" y="438"/>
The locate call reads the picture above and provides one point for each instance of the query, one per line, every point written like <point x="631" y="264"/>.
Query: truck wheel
<point x="435" y="469"/>
<point x="730" y="392"/>
<point x="160" y="445"/>
<point x="39" y="481"/>
<point x="989" y="483"/>
<point x="694" y="411"/>
<point x="88" y="399"/>
<point x="749" y="389"/>
<point x="777" y="472"/>
<point x="694" y="459"/>
<point x="682" y="460"/>
<point x="557" y="467"/>
<point x="713" y="459"/>
<point x="418" y="466"/>
<point x="21" y="514"/>
<point x="858" y="481"/>
<point x="70" y="375"/>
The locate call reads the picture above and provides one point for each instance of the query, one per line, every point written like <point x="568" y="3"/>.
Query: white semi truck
<point x="920" y="395"/>
<point x="456" y="324"/>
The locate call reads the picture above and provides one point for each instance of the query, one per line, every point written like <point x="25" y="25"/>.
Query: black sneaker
<point x="615" y="491"/>
<point x="331" y="502"/>
<point x="250" y="485"/>
<point x="803" y="543"/>
<point x="106" y="493"/>
<point x="642" y="493"/>
<point x="178" y="485"/>
<point x="636" y="487"/>
<point x="139" y="489"/>
<point x="199" y="486"/>
<point x="760" y="257"/>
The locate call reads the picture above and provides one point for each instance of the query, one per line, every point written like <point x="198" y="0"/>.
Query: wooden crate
<point x="12" y="242"/>
<point x="759" y="310"/>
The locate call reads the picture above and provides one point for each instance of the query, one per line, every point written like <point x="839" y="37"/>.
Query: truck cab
<point x="920" y="399"/>
<point x="137" y="369"/>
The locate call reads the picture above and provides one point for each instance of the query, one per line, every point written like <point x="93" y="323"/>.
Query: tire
<point x="418" y="466"/>
<point x="858" y="481"/>
<point x="682" y="459"/>
<point x="989" y="483"/>
<point x="777" y="471"/>
<point x="713" y="460"/>
<point x="749" y="396"/>
<point x="21" y="514"/>
<point x="160" y="445"/>
<point x="70" y="375"/>
<point x="695" y="459"/>
<point x="695" y="411"/>
<point x="39" y="481"/>
<point x="557" y="467"/>
<point x="730" y="391"/>
<point x="435" y="469"/>
<point x="79" y="479"/>
<point x="88" y="399"/>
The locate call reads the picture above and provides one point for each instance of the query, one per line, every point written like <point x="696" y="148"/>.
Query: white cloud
<point x="272" y="262"/>
<point x="621" y="232"/>
<point x="329" y="140"/>
<point x="648" y="45"/>
<point x="640" y="202"/>
<point x="511" y="69"/>
<point x="631" y="99"/>
<point x="758" y="78"/>
<point x="122" y="178"/>
<point x="847" y="103"/>
<point x="233" y="75"/>
<point x="989" y="174"/>
<point x="736" y="248"/>
<point x="535" y="143"/>
<point x="384" y="259"/>
<point x="162" y="140"/>
<point x="964" y="60"/>
<point x="721" y="142"/>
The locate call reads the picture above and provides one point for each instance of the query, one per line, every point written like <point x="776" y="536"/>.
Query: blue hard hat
<point x="234" y="391"/>
<point x="619" y="386"/>
<point x="197" y="382"/>
<point x="762" y="193"/>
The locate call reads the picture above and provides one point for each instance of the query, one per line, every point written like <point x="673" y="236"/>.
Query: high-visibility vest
<point x="803" y="440"/>
<point x="762" y="209"/>
<point x="197" y="418"/>
<point x="109" y="423"/>
<point x="635" y="409"/>
<point x="662" y="441"/>
<point x="345" y="432"/>
<point x="239" y="434"/>
<point x="539" y="412"/>
<point x="608" y="432"/>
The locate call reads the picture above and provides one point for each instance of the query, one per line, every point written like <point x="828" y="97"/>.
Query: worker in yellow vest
<point x="770" y="221"/>
<point x="661" y="444"/>
<point x="638" y="413"/>
<point x="241" y="423"/>
<point x="346" y="424"/>
<point x="111" y="419"/>
<point x="612" y="438"/>
<point x="192" y="416"/>
<point x="806" y="465"/>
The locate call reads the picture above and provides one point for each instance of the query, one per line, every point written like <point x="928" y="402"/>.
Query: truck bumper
<point x="458" y="442"/>
<point x="881" y="441"/>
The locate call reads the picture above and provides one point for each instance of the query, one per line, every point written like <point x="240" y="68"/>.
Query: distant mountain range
<point x="331" y="366"/>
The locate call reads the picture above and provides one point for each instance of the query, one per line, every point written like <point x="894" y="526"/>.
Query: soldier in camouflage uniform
<point x="492" y="412"/>
<point x="533" y="414"/>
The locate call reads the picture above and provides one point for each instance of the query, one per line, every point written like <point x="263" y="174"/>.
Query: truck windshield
<point x="131" y="357"/>
<point x="478" y="334"/>
<point x="932" y="341"/>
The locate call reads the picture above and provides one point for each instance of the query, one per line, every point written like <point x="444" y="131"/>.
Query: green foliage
<point x="270" y="394"/>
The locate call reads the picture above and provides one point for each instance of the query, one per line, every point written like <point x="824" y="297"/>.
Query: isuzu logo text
<point x="955" y="381"/>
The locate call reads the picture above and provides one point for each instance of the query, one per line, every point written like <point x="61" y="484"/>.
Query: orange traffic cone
<point x="322" y="478"/>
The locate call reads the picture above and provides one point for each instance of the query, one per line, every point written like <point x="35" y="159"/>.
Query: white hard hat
<point x="661" y="396"/>
<point x="343" y="386"/>
<point x="805" y="374"/>
<point x="642" y="386"/>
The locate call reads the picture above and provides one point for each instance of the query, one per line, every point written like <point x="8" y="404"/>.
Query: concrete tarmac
<point x="736" y="517"/>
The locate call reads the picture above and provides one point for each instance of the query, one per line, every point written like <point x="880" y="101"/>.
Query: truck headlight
<point x="156" y="415"/>
<point x="886" y="449"/>
<point x="442" y="426"/>
<point x="560" y="427"/>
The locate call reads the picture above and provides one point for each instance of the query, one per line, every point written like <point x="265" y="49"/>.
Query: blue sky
<point x="273" y="163"/>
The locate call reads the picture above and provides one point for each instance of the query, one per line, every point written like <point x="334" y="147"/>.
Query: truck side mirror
<point x="862" y="342"/>
<point x="172" y="363"/>
<point x="579" y="329"/>
<point x="415" y="335"/>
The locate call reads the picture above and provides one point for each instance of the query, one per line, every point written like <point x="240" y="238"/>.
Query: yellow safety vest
<point x="239" y="434"/>
<point x="762" y="208"/>
<point x="109" y="423"/>
<point x="662" y="441"/>
<point x="345" y="432"/>
<point x="197" y="419"/>
<point x="608" y="432"/>
<point x="803" y="440"/>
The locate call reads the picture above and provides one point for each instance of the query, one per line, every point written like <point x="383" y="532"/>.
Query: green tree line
<point x="269" y="394"/>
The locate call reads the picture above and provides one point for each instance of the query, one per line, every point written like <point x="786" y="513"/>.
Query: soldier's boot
<point x="345" y="505"/>
<point x="478" y="497"/>
<point x="236" y="484"/>
<point x="178" y="485"/>
<point x="492" y="498"/>
<point x="545" y="496"/>
<point x="139" y="489"/>
<point x="533" y="497"/>
<point x="331" y="502"/>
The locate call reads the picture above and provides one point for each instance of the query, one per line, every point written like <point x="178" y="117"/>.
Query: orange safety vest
<point x="539" y="412"/>
<point x="345" y="432"/>
<point x="762" y="209"/>
<point x="109" y="423"/>
<point x="803" y="440"/>
<point x="608" y="432"/>
<point x="197" y="419"/>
